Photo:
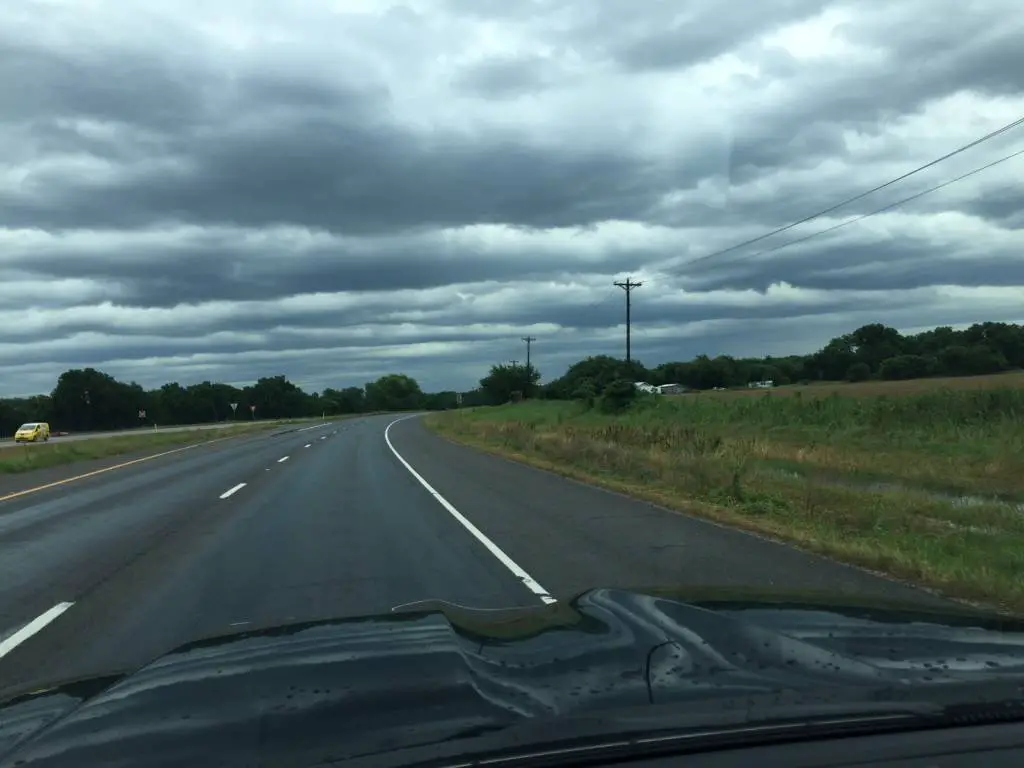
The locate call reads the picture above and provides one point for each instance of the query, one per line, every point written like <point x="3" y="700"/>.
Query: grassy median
<point x="25" y="458"/>
<point x="924" y="486"/>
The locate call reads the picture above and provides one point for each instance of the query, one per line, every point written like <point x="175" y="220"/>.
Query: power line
<point x="628" y="287"/>
<point x="598" y="302"/>
<point x="883" y="209"/>
<point x="819" y="214"/>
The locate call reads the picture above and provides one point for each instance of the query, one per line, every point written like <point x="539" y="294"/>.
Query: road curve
<point x="104" y="573"/>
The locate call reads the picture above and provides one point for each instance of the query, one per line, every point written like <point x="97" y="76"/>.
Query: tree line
<point x="873" y="351"/>
<point x="87" y="399"/>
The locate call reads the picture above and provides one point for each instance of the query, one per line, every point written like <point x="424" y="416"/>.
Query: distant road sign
<point x="234" y="407"/>
<point x="142" y="413"/>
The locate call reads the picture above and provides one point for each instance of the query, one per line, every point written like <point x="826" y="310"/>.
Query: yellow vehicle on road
<point x="32" y="432"/>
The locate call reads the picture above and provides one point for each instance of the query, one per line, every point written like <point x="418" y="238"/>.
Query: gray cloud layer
<point x="253" y="190"/>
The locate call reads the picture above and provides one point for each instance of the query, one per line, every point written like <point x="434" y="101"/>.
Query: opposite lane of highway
<point x="8" y="442"/>
<point x="237" y="536"/>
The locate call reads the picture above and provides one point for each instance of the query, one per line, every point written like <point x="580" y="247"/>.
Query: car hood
<point x="438" y="674"/>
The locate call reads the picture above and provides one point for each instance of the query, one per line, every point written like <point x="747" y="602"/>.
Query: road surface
<point x="8" y="442"/>
<point x="104" y="573"/>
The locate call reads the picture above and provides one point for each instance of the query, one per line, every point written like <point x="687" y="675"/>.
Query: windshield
<point x="337" y="310"/>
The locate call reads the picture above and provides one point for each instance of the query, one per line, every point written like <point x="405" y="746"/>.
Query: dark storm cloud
<point x="376" y="319"/>
<point x="980" y="50"/>
<point x="930" y="58"/>
<point x="322" y="157"/>
<point x="219" y="267"/>
<point x="1003" y="205"/>
<point x="119" y="86"/>
<point x="225" y="170"/>
<point x="326" y="173"/>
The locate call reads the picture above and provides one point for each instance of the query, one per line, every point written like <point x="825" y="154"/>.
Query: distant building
<point x="671" y="389"/>
<point x="766" y="384"/>
<point x="663" y="389"/>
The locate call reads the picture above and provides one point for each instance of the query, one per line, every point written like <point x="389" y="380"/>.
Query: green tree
<point x="275" y="398"/>
<point x="876" y="342"/>
<point x="440" y="401"/>
<point x="394" y="392"/>
<point x="87" y="399"/>
<point x="504" y="380"/>
<point x="618" y="396"/>
<point x="585" y="392"/>
<point x="971" y="360"/>
<point x="832" y="361"/>
<point x="600" y="371"/>
<point x="859" y="371"/>
<point x="348" y="400"/>
<point x="907" y="367"/>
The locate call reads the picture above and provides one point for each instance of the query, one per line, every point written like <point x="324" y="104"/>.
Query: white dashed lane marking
<point x="232" y="491"/>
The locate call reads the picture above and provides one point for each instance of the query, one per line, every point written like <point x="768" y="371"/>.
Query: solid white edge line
<point x="231" y="491"/>
<point x="528" y="581"/>
<point x="282" y="459"/>
<point x="32" y="628"/>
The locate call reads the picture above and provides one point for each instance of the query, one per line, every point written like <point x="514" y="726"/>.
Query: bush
<point x="858" y="372"/>
<point x="586" y="393"/>
<point x="618" y="396"/>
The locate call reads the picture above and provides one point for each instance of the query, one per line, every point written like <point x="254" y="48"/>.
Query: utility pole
<point x="628" y="287"/>
<point x="529" y="340"/>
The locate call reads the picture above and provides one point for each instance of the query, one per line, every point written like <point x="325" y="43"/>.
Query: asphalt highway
<point x="103" y="573"/>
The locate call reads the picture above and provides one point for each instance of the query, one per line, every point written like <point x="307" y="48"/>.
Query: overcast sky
<point x="338" y="189"/>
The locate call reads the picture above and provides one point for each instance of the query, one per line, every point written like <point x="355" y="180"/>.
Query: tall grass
<point x="802" y="469"/>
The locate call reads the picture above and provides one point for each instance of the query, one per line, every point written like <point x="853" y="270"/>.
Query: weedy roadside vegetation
<point x="926" y="484"/>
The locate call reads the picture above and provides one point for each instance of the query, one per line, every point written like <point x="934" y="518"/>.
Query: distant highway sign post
<point x="234" y="407"/>
<point x="252" y="409"/>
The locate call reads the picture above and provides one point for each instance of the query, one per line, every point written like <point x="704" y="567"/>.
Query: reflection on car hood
<point x="435" y="672"/>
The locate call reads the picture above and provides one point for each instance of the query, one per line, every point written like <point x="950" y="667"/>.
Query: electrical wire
<point x="964" y="148"/>
<point x="877" y="211"/>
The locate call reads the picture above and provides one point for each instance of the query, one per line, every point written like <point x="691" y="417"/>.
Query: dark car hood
<point x="435" y="673"/>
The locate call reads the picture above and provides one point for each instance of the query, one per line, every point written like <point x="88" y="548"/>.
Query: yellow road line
<point x="95" y="472"/>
